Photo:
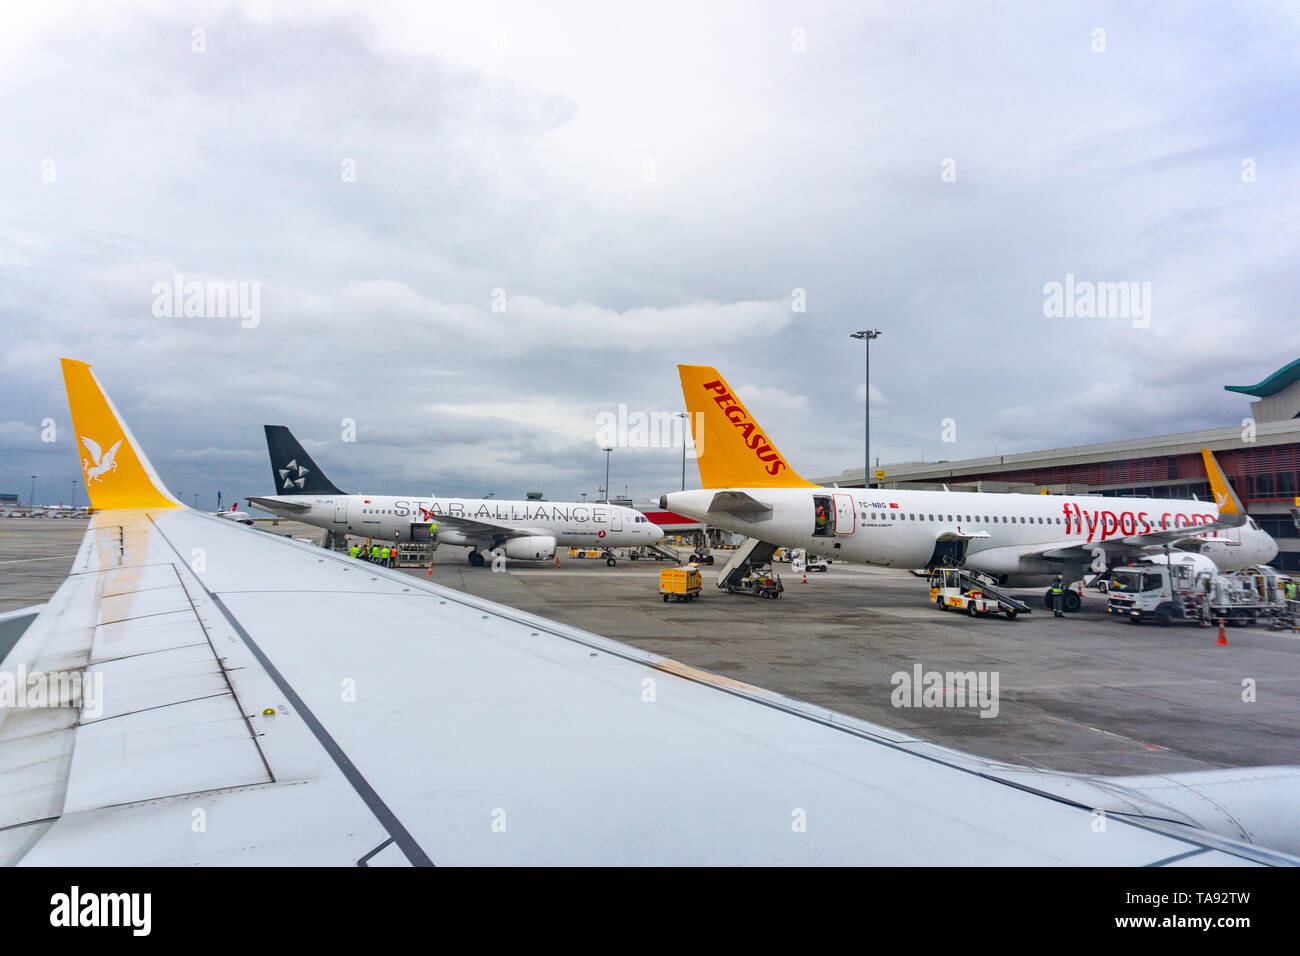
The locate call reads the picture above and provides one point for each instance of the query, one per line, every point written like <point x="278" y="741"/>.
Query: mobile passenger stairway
<point x="751" y="554"/>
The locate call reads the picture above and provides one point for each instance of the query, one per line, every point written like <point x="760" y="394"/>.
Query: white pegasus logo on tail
<point x="100" y="462"/>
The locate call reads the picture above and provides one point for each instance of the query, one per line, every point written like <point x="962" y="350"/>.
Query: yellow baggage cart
<point x="682" y="584"/>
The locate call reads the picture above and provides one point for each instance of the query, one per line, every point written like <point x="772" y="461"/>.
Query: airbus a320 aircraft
<point x="523" y="530"/>
<point x="221" y="651"/>
<point x="1022" y="540"/>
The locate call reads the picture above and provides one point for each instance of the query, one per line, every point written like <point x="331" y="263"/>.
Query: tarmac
<point x="1084" y="693"/>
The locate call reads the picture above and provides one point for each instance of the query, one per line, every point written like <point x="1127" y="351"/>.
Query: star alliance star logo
<point x="299" y="479"/>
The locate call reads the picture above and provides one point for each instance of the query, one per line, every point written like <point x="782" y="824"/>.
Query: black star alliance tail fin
<point x="292" y="468"/>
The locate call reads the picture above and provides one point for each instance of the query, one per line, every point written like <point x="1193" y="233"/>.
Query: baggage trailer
<point x="681" y="584"/>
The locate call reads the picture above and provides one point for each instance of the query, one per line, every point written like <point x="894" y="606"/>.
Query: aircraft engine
<point x="534" y="547"/>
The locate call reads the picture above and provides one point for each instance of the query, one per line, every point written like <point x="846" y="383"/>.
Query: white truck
<point x="801" y="561"/>
<point x="1187" y="591"/>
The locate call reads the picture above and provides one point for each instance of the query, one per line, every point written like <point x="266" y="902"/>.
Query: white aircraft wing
<point x="264" y="702"/>
<point x="246" y="699"/>
<point x="490" y="532"/>
<point x="1120" y="549"/>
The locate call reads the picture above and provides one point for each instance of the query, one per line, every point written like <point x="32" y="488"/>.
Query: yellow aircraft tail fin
<point x="1224" y="496"/>
<point x="117" y="473"/>
<point x="731" y="449"/>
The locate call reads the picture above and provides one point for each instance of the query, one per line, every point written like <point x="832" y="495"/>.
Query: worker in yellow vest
<point x="374" y="553"/>
<point x="354" y="550"/>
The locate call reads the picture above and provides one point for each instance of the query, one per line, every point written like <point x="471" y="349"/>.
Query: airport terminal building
<point x="1260" y="456"/>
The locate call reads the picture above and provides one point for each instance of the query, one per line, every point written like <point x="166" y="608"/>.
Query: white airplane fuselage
<point x="389" y="518"/>
<point x="899" y="528"/>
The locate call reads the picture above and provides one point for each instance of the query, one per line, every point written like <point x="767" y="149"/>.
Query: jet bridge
<point x="752" y="553"/>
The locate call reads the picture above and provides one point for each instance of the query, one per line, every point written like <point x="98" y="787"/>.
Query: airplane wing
<point x="278" y="504"/>
<point x="491" y="532"/>
<point x="1114" y="550"/>
<point x="1232" y="514"/>
<point x="247" y="699"/>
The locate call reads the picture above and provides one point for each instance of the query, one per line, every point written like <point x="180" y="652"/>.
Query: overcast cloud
<point x="556" y="203"/>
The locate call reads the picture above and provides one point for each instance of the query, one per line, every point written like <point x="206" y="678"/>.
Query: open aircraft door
<point x="341" y="511"/>
<point x="846" y="514"/>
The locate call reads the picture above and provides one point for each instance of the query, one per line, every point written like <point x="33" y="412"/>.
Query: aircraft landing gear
<point x="1070" y="601"/>
<point x="476" y="559"/>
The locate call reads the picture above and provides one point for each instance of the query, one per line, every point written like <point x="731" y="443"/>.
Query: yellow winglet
<point x="730" y="448"/>
<point x="1224" y="496"/>
<point x="117" y="473"/>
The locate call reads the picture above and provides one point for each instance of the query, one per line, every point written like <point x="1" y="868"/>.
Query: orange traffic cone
<point x="1223" y="637"/>
<point x="805" y="578"/>
<point x="430" y="571"/>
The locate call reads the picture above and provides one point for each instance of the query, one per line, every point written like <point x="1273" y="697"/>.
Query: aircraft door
<point x="845" y="514"/>
<point x="823" y="517"/>
<point x="615" y="520"/>
<point x="341" y="511"/>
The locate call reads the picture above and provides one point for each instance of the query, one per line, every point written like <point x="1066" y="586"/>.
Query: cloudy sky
<point x="473" y="228"/>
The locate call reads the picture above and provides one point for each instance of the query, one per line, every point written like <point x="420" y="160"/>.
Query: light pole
<point x="74" y="494"/>
<point x="607" y="449"/>
<point x="31" y="496"/>
<point x="686" y="416"/>
<point x="867" y="336"/>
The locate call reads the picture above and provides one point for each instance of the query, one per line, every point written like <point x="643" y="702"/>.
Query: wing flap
<point x="182" y="748"/>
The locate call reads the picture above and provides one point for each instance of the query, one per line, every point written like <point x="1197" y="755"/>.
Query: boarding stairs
<point x="751" y="554"/>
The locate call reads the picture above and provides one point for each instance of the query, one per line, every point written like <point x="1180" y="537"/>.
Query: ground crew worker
<point x="354" y="550"/>
<point x="383" y="555"/>
<point x="1057" y="591"/>
<point x="1290" y="589"/>
<point x="822" y="520"/>
<point x="374" y="553"/>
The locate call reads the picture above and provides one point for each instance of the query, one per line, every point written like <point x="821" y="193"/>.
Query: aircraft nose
<point x="657" y="534"/>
